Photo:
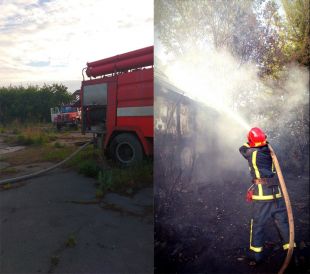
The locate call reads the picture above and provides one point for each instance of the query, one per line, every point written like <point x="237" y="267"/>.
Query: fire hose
<point x="289" y="212"/>
<point x="40" y="172"/>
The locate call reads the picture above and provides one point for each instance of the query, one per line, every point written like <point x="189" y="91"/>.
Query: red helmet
<point x="257" y="137"/>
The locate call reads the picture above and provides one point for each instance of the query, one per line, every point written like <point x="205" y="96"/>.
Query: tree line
<point x="274" y="36"/>
<point x="32" y="103"/>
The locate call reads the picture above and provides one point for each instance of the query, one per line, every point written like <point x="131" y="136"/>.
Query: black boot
<point x="255" y="258"/>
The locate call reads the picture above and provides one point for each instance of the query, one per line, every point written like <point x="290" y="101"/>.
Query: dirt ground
<point x="207" y="231"/>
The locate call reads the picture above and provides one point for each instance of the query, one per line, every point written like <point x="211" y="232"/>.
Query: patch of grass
<point x="59" y="145"/>
<point x="89" y="168"/>
<point x="7" y="186"/>
<point x="55" y="260"/>
<point x="126" y="180"/>
<point x="52" y="154"/>
<point x="99" y="193"/>
<point x="31" y="136"/>
<point x="35" y="137"/>
<point x="71" y="241"/>
<point x="35" y="154"/>
<point x="8" y="170"/>
<point x="2" y="129"/>
<point x="89" y="153"/>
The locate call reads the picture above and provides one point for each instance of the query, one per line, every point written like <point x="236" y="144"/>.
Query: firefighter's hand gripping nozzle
<point x="289" y="211"/>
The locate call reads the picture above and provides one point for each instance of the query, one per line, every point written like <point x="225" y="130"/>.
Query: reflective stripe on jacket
<point x="261" y="166"/>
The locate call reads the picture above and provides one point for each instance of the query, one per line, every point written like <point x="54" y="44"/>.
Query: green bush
<point x="126" y="179"/>
<point x="89" y="168"/>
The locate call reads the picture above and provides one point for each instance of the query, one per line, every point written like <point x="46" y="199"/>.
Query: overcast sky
<point x="45" y="41"/>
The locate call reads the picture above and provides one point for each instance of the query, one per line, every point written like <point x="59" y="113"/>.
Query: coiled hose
<point x="40" y="172"/>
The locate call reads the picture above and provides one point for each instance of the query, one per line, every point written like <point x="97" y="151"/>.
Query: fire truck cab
<point x="117" y="105"/>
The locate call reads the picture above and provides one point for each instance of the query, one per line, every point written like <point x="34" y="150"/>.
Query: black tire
<point x="126" y="149"/>
<point x="58" y="126"/>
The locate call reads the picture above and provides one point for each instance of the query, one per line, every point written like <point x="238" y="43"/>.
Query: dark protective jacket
<point x="261" y="166"/>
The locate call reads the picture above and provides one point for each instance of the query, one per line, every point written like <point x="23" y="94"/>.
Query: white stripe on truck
<point x="135" y="111"/>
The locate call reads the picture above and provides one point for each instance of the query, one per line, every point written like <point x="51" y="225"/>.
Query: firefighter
<point x="265" y="193"/>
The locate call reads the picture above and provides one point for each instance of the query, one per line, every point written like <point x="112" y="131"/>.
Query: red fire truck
<point x="117" y="104"/>
<point x="67" y="115"/>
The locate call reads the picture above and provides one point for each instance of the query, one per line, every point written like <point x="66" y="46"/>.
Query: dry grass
<point x="37" y="154"/>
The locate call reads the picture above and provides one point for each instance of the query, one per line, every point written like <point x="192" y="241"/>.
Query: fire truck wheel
<point x="126" y="149"/>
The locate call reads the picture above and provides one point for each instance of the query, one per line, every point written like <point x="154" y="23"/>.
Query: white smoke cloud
<point x="221" y="82"/>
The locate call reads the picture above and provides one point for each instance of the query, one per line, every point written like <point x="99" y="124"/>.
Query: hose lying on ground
<point x="289" y="211"/>
<point x="35" y="174"/>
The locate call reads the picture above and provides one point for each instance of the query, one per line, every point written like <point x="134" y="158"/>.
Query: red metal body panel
<point x="136" y="89"/>
<point x="120" y="57"/>
<point x="145" y="124"/>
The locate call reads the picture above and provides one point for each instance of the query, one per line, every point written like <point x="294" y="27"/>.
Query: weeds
<point x="89" y="168"/>
<point x="30" y="136"/>
<point x="59" y="145"/>
<point x="54" y="260"/>
<point x="71" y="241"/>
<point x="99" y="193"/>
<point x="7" y="186"/>
<point x="8" y="171"/>
<point x="50" y="153"/>
<point x="125" y="179"/>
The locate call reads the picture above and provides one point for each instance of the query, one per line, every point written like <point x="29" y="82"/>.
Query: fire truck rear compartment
<point x="94" y="108"/>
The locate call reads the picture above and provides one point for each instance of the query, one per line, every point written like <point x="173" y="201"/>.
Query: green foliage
<point x="71" y="241"/>
<point x="253" y="31"/>
<point x="126" y="179"/>
<point x="86" y="154"/>
<point x="106" y="180"/>
<point x="32" y="103"/>
<point x="297" y="30"/>
<point x="55" y="260"/>
<point x="89" y="168"/>
<point x="99" y="193"/>
<point x="246" y="28"/>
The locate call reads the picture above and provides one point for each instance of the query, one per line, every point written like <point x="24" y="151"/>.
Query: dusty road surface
<point x="54" y="224"/>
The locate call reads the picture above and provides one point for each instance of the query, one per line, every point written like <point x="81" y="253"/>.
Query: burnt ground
<point x="207" y="230"/>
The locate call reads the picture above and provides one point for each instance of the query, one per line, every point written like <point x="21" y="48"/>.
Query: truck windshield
<point x="68" y="109"/>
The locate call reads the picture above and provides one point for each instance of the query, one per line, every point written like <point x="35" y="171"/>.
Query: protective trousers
<point x="262" y="211"/>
